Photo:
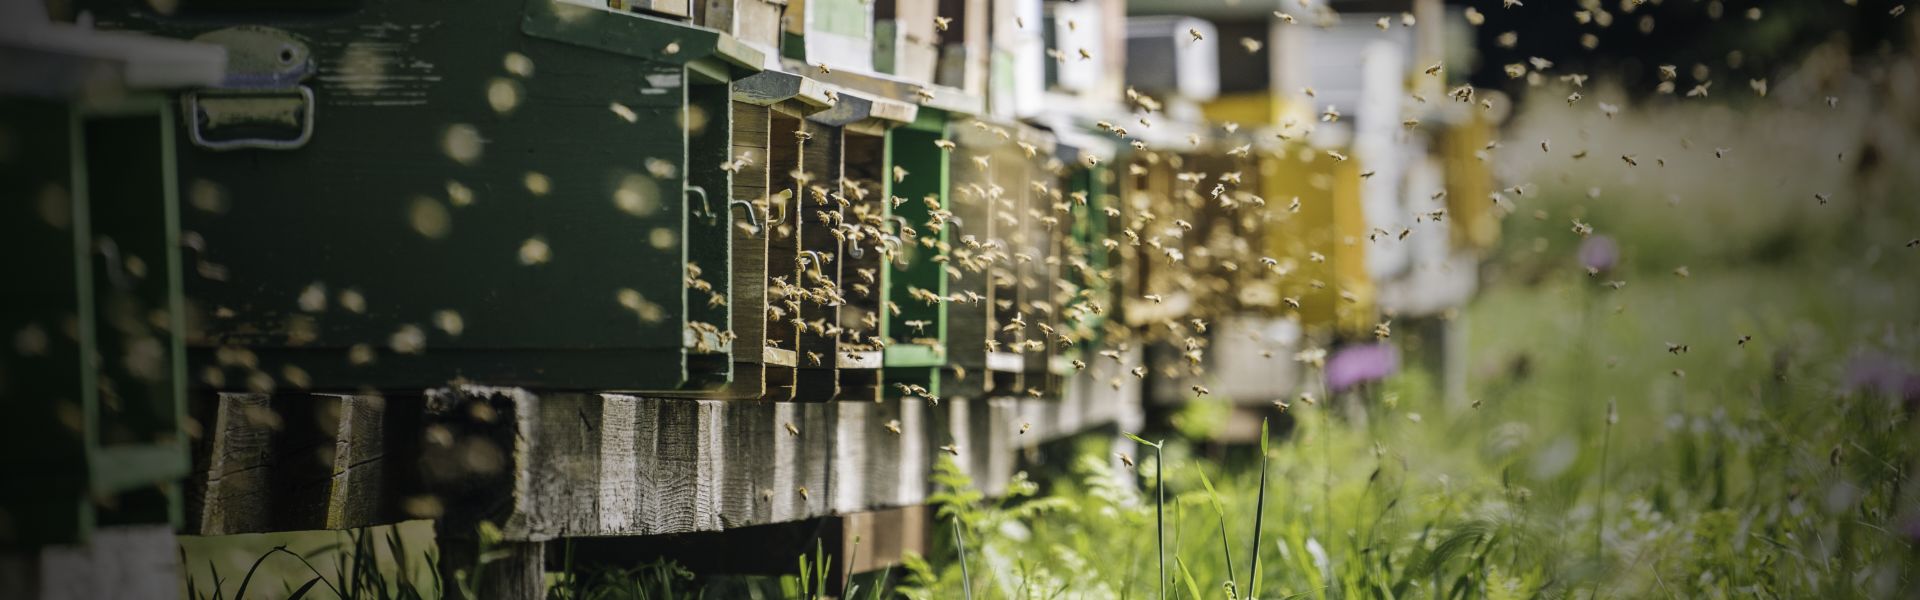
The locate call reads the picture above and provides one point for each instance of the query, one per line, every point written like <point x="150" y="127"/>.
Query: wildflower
<point x="1599" y="254"/>
<point x="1355" y="365"/>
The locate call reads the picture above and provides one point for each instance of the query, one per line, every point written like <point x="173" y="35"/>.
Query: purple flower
<point x="1910" y="529"/>
<point x="1599" y="254"/>
<point x="1355" y="365"/>
<point x="1877" y="373"/>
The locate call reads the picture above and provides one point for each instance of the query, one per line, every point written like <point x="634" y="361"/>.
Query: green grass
<point x="1723" y="482"/>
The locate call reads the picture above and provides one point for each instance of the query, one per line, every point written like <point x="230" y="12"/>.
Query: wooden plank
<point x="517" y="571"/>
<point x="616" y="465"/>
<point x="237" y="470"/>
<point x="359" y="493"/>
<point x="875" y="540"/>
<point x="270" y="466"/>
<point x="746" y="449"/>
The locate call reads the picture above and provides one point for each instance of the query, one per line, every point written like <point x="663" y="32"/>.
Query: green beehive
<point x="92" y="379"/>
<point x="916" y="326"/>
<point x="401" y="194"/>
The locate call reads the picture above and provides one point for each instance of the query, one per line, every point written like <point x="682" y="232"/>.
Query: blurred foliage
<point x="1716" y="33"/>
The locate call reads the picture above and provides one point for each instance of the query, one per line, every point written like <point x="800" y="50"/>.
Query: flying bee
<point x="894" y="426"/>
<point x="1677" y="349"/>
<point x="946" y="145"/>
<point x="941" y="23"/>
<point x="1252" y="45"/>
<point x="1139" y="372"/>
<point x="1383" y="330"/>
<point x="953" y="449"/>
<point x="1124" y="459"/>
<point x="1200" y="390"/>
<point x="793" y="431"/>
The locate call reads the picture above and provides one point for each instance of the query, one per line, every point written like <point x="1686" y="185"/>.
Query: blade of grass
<point x="1193" y="588"/>
<point x="960" y="541"/>
<point x="241" y="594"/>
<point x="302" y="592"/>
<point x="1259" y="514"/>
<point x="1159" y="509"/>
<point x="1220" y="514"/>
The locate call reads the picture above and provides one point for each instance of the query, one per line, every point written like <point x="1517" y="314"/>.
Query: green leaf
<point x="1192" y="588"/>
<point x="241" y="593"/>
<point x="1139" y="439"/>
<point x="302" y="592"/>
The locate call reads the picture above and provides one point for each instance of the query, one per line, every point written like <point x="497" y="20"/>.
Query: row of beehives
<point x="598" y="197"/>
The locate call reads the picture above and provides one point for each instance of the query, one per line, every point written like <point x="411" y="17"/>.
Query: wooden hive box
<point x="471" y="238"/>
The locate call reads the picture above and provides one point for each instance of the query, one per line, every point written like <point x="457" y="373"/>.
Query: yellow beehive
<point x="1469" y="183"/>
<point x="1320" y="243"/>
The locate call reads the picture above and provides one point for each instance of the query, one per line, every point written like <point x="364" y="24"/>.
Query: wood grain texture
<point x="548" y="466"/>
<point x="292" y="462"/>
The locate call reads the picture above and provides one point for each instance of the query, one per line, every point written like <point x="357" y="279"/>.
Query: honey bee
<point x="953" y="449"/>
<point x="1124" y="459"/>
<point x="946" y="145"/>
<point x="793" y="431"/>
<point x="941" y="23"/>
<point x="894" y="426"/>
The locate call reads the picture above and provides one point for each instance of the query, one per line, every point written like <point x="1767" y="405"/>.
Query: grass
<point x="1727" y="481"/>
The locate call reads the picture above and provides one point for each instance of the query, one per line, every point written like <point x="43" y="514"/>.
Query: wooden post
<point x="517" y="570"/>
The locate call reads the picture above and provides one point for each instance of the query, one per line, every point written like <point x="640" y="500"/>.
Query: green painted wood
<point x="709" y="118"/>
<point x="635" y="35"/>
<point x="94" y="388"/>
<point x="918" y="333"/>
<point x="43" y="456"/>
<point x="524" y="185"/>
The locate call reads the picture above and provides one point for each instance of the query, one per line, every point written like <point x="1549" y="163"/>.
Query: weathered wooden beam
<point x="303" y="461"/>
<point x="515" y="570"/>
<point x="597" y="465"/>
